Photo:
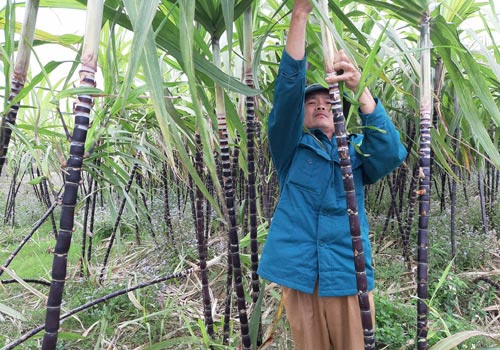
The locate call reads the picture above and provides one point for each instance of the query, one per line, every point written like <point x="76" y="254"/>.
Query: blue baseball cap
<point x="314" y="88"/>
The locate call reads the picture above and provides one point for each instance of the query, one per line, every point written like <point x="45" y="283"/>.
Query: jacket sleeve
<point x="381" y="145"/>
<point x="285" y="122"/>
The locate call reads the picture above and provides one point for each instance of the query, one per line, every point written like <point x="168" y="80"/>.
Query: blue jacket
<point x="309" y="239"/>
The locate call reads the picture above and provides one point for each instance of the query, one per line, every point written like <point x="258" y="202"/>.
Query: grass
<point x="35" y="259"/>
<point x="169" y="315"/>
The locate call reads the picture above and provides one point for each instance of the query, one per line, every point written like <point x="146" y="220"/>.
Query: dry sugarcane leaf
<point x="6" y="310"/>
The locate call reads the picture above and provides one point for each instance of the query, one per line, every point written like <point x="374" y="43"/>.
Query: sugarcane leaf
<point x="239" y="7"/>
<point x="7" y="310"/>
<point x="492" y="22"/>
<point x="37" y="180"/>
<point x="351" y="27"/>
<point x="456" y="339"/>
<point x="186" y="25"/>
<point x="408" y="11"/>
<point x="147" y="9"/>
<point x="456" y="11"/>
<point x="25" y="285"/>
<point x="47" y="69"/>
<point x="447" y="35"/>
<point x="407" y="52"/>
<point x="464" y="88"/>
<point x="206" y="14"/>
<point x="256" y="317"/>
<point x="171" y="130"/>
<point x="69" y="336"/>
<point x="493" y="66"/>
<point x="41" y="36"/>
<point x="442" y="279"/>
<point x="62" y="4"/>
<point x="167" y="38"/>
<point x="233" y="119"/>
<point x="81" y="90"/>
<point x="443" y="152"/>
<point x="228" y="12"/>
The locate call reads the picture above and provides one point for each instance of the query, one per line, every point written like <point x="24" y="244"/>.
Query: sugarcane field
<point x="250" y="174"/>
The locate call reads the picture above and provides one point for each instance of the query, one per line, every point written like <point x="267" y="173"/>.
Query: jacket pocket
<point x="309" y="171"/>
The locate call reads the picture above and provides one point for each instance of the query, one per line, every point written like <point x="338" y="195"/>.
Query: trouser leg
<point x="317" y="323"/>
<point x="344" y="321"/>
<point x="309" y="330"/>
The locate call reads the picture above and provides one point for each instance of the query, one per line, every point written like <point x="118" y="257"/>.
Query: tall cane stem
<point x="348" y="181"/>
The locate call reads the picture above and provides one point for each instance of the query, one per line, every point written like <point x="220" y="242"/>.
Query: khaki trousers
<point x="320" y="323"/>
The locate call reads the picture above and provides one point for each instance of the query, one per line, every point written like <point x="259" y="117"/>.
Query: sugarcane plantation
<point x="249" y="174"/>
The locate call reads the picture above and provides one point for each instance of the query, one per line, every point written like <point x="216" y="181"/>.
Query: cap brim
<point x="314" y="88"/>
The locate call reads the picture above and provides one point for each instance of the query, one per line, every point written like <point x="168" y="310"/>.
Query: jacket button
<point x="321" y="243"/>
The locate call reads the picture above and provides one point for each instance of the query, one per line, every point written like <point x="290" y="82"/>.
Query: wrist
<point x="367" y="102"/>
<point x="300" y="13"/>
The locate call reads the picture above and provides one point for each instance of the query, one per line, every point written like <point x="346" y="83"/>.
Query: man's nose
<point x="321" y="106"/>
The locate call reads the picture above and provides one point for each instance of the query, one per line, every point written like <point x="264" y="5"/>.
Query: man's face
<point x="317" y="112"/>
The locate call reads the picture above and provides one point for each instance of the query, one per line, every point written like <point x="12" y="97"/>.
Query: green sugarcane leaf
<point x="408" y="11"/>
<point x="36" y="180"/>
<point x="456" y="339"/>
<point x="493" y="66"/>
<point x="82" y="90"/>
<point x="455" y="10"/>
<point x="167" y="38"/>
<point x="62" y="4"/>
<point x="240" y="7"/>
<point x="443" y="31"/>
<point x="228" y="12"/>
<point x="171" y="130"/>
<point x="443" y="152"/>
<point x="49" y="67"/>
<point x="350" y="26"/>
<point x="43" y="37"/>
<point x="463" y="87"/>
<point x="255" y="319"/>
<point x="206" y="14"/>
<point x="186" y="25"/>
<point x="147" y="9"/>
<point x="69" y="336"/>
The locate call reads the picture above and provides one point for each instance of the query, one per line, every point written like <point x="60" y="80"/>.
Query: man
<point x="308" y="250"/>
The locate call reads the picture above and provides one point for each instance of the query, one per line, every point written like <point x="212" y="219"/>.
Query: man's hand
<point x="346" y="72"/>
<point x="295" y="43"/>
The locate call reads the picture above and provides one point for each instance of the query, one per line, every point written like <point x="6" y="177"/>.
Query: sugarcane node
<point x="420" y="192"/>
<point x="421" y="173"/>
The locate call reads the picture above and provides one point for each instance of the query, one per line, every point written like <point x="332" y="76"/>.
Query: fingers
<point x="345" y="70"/>
<point x="341" y="56"/>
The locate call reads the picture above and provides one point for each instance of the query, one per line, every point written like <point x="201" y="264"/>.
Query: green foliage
<point x="394" y="322"/>
<point x="151" y="78"/>
<point x="35" y="259"/>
